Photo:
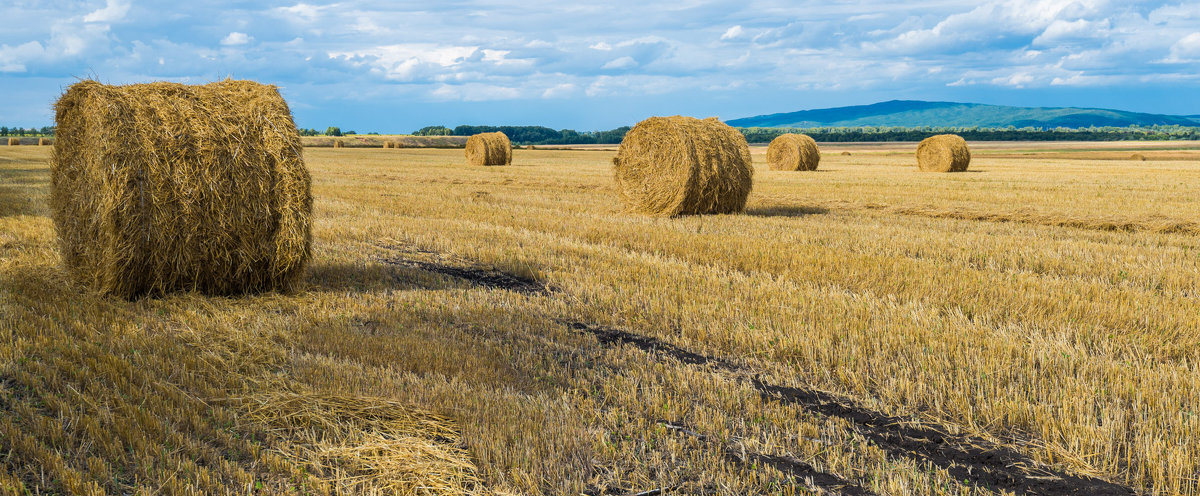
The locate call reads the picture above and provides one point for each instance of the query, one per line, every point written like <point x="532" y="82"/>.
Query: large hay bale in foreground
<point x="943" y="153"/>
<point x="677" y="165"/>
<point x="14" y="141"/>
<point x="162" y="187"/>
<point x="489" y="149"/>
<point x="793" y="152"/>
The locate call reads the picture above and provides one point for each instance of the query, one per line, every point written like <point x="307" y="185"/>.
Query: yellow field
<point x="1030" y="326"/>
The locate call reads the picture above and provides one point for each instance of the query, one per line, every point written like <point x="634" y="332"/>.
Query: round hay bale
<point x="943" y="153"/>
<point x="845" y="154"/>
<point x="338" y="144"/>
<point x="163" y="187"/>
<point x="793" y="152"/>
<point x="43" y="141"/>
<point x="1138" y="157"/>
<point x="389" y="144"/>
<point x="14" y="141"/>
<point x="489" y="149"/>
<point x="669" y="166"/>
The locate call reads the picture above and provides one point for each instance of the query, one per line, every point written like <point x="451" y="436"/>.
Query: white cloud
<point x="236" y="38"/>
<point x="302" y="12"/>
<point x="114" y="10"/>
<point x="474" y="92"/>
<point x="1018" y="80"/>
<point x="1186" y="49"/>
<point x="625" y="62"/>
<point x="733" y="33"/>
<point x="602" y="46"/>
<point x="560" y="91"/>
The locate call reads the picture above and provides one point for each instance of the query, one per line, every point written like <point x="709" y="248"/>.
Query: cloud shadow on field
<point x="785" y="211"/>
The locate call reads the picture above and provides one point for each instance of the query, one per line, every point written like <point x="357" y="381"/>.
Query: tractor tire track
<point x="977" y="461"/>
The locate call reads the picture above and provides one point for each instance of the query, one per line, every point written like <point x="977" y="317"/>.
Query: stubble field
<point x="1031" y="326"/>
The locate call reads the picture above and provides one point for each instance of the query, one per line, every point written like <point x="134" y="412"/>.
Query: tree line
<point x="47" y="131"/>
<point x="539" y="135"/>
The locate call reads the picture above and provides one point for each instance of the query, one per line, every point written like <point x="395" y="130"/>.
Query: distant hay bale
<point x="489" y="149"/>
<point x="389" y="144"/>
<point x="14" y="141"/>
<point x="845" y="154"/>
<point x="1138" y="157"/>
<point x="338" y="144"/>
<point x="43" y="142"/>
<point x="162" y="187"/>
<point x="943" y="153"/>
<point x="531" y="147"/>
<point x="793" y="152"/>
<point x="677" y="165"/>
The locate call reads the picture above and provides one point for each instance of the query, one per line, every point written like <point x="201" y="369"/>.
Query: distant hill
<point x="909" y="113"/>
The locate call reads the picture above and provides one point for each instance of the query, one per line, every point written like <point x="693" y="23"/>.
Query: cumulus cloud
<point x="236" y="38"/>
<point x="1186" y="49"/>
<point x="625" y="62"/>
<point x="114" y="10"/>
<point x="733" y="33"/>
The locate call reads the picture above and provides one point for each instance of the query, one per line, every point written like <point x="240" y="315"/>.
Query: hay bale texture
<point x="793" y="152"/>
<point x="669" y="166"/>
<point x="162" y="187"/>
<point x="489" y="149"/>
<point x="43" y="142"/>
<point x="14" y="141"/>
<point x="943" y="153"/>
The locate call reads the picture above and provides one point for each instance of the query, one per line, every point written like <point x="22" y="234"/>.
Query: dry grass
<point x="1023" y="319"/>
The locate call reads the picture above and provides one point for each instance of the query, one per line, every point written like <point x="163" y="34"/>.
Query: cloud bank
<point x="592" y="66"/>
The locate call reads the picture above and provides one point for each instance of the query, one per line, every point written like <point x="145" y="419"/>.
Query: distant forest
<point x="538" y="135"/>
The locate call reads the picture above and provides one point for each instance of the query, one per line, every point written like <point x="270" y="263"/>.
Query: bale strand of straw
<point x="489" y="149"/>
<point x="943" y="153"/>
<point x="669" y="166"/>
<point x="162" y="187"/>
<point x="793" y="152"/>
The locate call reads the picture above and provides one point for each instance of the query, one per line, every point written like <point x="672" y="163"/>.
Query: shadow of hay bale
<point x="786" y="211"/>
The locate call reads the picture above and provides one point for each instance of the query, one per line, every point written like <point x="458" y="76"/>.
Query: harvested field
<point x="1025" y="327"/>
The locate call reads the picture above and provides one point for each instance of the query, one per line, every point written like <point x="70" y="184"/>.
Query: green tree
<point x="333" y="131"/>
<point x="433" y="131"/>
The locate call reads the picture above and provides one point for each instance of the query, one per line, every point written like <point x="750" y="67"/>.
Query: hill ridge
<point x="919" y="113"/>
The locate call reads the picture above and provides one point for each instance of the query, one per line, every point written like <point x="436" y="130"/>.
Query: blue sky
<point x="397" y="66"/>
